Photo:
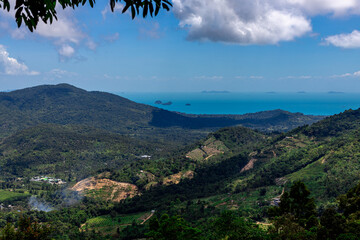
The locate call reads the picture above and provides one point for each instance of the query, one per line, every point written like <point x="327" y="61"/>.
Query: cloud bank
<point x="248" y="22"/>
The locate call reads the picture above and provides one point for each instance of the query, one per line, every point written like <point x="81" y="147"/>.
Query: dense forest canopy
<point x="63" y="176"/>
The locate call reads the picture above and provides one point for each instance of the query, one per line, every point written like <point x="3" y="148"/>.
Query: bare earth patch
<point x="175" y="178"/>
<point x="249" y="165"/>
<point x="146" y="217"/>
<point x="196" y="154"/>
<point x="280" y="181"/>
<point x="106" y="189"/>
<point x="211" y="147"/>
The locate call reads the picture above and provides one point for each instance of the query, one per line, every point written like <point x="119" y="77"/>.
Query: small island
<point x="335" y="92"/>
<point x="167" y="103"/>
<point x="164" y="104"/>
<point x="215" y="92"/>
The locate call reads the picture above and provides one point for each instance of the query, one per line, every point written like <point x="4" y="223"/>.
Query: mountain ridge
<point x="65" y="104"/>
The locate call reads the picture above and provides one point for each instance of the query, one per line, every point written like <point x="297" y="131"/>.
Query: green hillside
<point x="70" y="152"/>
<point x="325" y="155"/>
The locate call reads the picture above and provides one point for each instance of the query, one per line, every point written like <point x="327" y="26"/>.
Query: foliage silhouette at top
<point x="30" y="12"/>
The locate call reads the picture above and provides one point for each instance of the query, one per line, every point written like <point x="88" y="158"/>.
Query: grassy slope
<point x="8" y="196"/>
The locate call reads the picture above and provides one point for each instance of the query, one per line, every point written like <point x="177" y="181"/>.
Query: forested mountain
<point x="65" y="104"/>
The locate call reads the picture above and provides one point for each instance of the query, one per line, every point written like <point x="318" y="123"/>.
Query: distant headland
<point x="215" y="92"/>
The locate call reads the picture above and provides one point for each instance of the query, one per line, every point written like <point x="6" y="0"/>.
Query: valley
<point x="123" y="166"/>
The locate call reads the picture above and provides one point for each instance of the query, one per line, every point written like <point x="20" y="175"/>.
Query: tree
<point x="332" y="224"/>
<point x="286" y="227"/>
<point x="350" y="202"/>
<point x="26" y="230"/>
<point x="298" y="204"/>
<point x="30" y="12"/>
<point x="231" y="227"/>
<point x="172" y="228"/>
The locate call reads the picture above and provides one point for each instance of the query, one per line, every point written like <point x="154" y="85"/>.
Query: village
<point x="46" y="179"/>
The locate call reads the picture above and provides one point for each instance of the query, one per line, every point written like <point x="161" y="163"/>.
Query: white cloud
<point x="91" y="44"/>
<point x="107" y="76"/>
<point x="19" y="33"/>
<point x="256" y="77"/>
<point x="255" y="21"/>
<point x="209" y="77"/>
<point x="63" y="30"/>
<point x="118" y="9"/>
<point x="351" y="40"/>
<point x="335" y="7"/>
<point x="12" y="66"/>
<point x="57" y="74"/>
<point x="357" y="74"/>
<point x="347" y="75"/>
<point x="66" y="51"/>
<point x="112" y="38"/>
<point x="249" y="77"/>
<point x="150" y="30"/>
<point x="65" y="33"/>
<point x="299" y="77"/>
<point x="242" y="22"/>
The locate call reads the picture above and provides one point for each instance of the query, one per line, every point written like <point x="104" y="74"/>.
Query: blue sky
<point x="233" y="45"/>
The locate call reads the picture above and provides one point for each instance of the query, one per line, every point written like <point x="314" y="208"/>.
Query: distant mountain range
<point x="65" y="104"/>
<point x="215" y="92"/>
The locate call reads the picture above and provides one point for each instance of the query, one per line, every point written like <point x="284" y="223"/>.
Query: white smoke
<point x="37" y="205"/>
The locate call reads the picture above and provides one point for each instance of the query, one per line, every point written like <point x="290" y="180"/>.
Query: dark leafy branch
<point x="30" y="12"/>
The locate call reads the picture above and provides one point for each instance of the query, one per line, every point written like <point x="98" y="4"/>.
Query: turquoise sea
<point x="240" y="103"/>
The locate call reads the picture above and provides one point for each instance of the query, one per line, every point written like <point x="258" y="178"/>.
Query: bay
<point x="241" y="103"/>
